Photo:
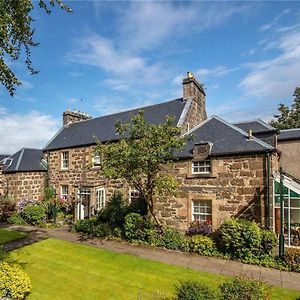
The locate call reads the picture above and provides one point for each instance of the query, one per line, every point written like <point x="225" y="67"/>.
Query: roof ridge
<point x="291" y="129"/>
<point x="19" y="159"/>
<point x="185" y="110"/>
<point x="125" y="111"/>
<point x="262" y="122"/>
<point x="243" y="132"/>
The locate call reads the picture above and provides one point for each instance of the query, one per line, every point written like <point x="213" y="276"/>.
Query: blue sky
<point x="111" y="56"/>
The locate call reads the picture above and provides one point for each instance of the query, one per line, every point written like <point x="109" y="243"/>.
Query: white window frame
<point x="65" y="160"/>
<point x="134" y="194"/>
<point x="205" y="164"/>
<point x="98" y="205"/>
<point x="64" y="194"/>
<point x="96" y="160"/>
<point x="204" y="213"/>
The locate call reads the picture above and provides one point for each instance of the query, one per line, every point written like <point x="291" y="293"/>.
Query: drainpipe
<point x="268" y="190"/>
<point x="281" y="236"/>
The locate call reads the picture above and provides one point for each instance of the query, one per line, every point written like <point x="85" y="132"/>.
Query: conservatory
<point x="291" y="218"/>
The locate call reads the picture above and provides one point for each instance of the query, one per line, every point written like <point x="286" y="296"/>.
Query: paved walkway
<point x="290" y="280"/>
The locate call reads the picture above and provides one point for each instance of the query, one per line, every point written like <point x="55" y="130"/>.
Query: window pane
<point x="201" y="166"/>
<point x="202" y="210"/>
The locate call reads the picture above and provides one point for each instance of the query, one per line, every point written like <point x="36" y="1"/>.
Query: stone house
<point x="289" y="147"/>
<point x="23" y="174"/>
<point x="224" y="172"/>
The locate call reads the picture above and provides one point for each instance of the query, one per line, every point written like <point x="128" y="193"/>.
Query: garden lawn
<point x="10" y="235"/>
<point x="64" y="270"/>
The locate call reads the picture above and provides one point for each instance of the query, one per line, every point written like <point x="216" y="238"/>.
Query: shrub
<point x="101" y="230"/>
<point x="85" y="226"/>
<point x="134" y="227"/>
<point x="15" y="218"/>
<point x="14" y="282"/>
<point x="172" y="239"/>
<point x="202" y="245"/>
<point x="245" y="289"/>
<point x="240" y="238"/>
<point x="114" y="212"/>
<point x="269" y="241"/>
<point x="7" y="207"/>
<point x="93" y="228"/>
<point x="200" y="228"/>
<point x="193" y="290"/>
<point x="138" y="206"/>
<point x="33" y="214"/>
<point x="25" y="202"/>
<point x="117" y="232"/>
<point x="292" y="258"/>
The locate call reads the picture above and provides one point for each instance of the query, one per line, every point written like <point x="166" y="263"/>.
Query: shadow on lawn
<point x="34" y="235"/>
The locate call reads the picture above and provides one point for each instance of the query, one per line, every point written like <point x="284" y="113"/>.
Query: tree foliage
<point x="288" y="117"/>
<point x="140" y="154"/>
<point x="16" y="36"/>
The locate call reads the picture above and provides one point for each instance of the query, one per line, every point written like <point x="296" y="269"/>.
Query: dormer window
<point x="65" y="160"/>
<point x="201" y="167"/>
<point x="96" y="160"/>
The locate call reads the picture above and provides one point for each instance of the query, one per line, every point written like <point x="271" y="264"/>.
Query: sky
<point x="110" y="56"/>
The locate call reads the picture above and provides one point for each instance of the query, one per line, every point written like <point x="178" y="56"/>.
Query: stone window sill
<point x="200" y="176"/>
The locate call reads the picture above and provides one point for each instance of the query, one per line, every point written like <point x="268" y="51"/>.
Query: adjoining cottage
<point x="23" y="174"/>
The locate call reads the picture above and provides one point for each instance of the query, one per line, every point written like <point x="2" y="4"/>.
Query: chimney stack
<point x="194" y="93"/>
<point x="74" y="116"/>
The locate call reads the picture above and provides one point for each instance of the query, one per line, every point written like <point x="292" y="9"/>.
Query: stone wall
<point x="290" y="160"/>
<point x="24" y="184"/>
<point x="80" y="174"/>
<point x="236" y="188"/>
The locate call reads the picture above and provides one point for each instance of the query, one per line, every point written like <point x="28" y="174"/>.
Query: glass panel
<point x="277" y="200"/>
<point x="295" y="203"/>
<point x="277" y="189"/>
<point x="286" y="227"/>
<point x="295" y="227"/>
<point x="294" y="195"/>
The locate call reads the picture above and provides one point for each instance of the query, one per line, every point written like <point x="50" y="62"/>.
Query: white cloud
<point x="102" y="52"/>
<point x="110" y="105"/>
<point x="277" y="77"/>
<point x="26" y="84"/>
<point x="32" y="129"/>
<point x="274" y="22"/>
<point x="215" y="72"/>
<point x="150" y="24"/>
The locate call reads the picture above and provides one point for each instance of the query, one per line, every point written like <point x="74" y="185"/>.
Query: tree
<point x="139" y="156"/>
<point x="16" y="36"/>
<point x="288" y="117"/>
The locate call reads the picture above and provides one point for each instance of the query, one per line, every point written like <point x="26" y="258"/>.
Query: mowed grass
<point x="10" y="235"/>
<point x="64" y="270"/>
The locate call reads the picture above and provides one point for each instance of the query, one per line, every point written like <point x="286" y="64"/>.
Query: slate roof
<point x="289" y="134"/>
<point x="257" y="126"/>
<point x="226" y="139"/>
<point x="2" y="156"/>
<point x="25" y="160"/>
<point x="103" y="128"/>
